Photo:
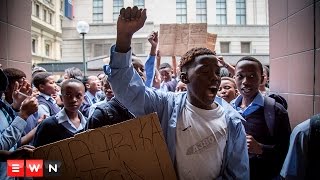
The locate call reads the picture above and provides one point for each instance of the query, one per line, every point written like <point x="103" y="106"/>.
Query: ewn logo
<point x="33" y="168"/>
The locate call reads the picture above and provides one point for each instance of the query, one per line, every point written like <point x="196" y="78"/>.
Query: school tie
<point x="94" y="100"/>
<point x="53" y="101"/>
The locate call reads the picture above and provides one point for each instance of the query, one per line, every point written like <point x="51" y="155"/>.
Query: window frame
<point x="50" y="18"/>
<point x="221" y="18"/>
<point x="116" y="9"/>
<point x="225" y="43"/>
<point x="34" y="45"/>
<point x="47" y="51"/>
<point x="241" y="14"/>
<point x="181" y="11"/>
<point x="37" y="10"/>
<point x="201" y="11"/>
<point x="45" y="15"/>
<point x="97" y="11"/>
<point x="242" y="48"/>
<point x="139" y="4"/>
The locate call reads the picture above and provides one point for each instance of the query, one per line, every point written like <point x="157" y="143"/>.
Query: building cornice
<point x="44" y="27"/>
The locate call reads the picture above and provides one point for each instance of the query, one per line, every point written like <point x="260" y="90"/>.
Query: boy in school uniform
<point x="228" y="89"/>
<point x="168" y="83"/>
<point x="204" y="134"/>
<point x="267" y="122"/>
<point x="67" y="122"/>
<point x="46" y="85"/>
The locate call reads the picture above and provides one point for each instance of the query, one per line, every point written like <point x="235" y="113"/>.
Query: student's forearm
<point x="174" y="66"/>
<point x="123" y="43"/>
<point x="153" y="50"/>
<point x="158" y="62"/>
<point x="230" y="68"/>
<point x="28" y="137"/>
<point x="12" y="134"/>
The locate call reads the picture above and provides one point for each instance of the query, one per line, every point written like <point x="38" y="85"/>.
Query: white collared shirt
<point x="63" y="119"/>
<point x="90" y="97"/>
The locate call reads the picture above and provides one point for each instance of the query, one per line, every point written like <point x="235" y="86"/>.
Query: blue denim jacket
<point x="130" y="90"/>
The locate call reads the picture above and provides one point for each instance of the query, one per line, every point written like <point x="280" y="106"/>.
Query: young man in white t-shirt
<point x="204" y="134"/>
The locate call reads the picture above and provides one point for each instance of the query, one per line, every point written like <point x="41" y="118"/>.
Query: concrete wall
<point x="295" y="55"/>
<point x="15" y="34"/>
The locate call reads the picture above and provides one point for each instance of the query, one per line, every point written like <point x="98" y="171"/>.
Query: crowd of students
<point x="215" y="127"/>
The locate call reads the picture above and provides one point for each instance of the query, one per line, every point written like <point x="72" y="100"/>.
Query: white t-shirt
<point x="201" y="137"/>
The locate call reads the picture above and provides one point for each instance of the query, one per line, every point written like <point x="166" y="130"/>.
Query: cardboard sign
<point x="177" y="39"/>
<point x="134" y="149"/>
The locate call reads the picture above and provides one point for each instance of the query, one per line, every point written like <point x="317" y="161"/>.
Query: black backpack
<point x="279" y="99"/>
<point x="109" y="113"/>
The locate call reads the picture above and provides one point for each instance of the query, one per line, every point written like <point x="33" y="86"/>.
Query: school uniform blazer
<point x="130" y="90"/>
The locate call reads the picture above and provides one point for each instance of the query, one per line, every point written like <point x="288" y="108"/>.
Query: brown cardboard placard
<point x="134" y="149"/>
<point x="177" y="39"/>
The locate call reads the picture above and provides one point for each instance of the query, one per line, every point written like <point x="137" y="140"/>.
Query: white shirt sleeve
<point x="43" y="110"/>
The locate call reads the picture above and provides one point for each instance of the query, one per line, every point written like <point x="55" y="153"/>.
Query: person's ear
<point x="87" y="86"/>
<point x="41" y="87"/>
<point x="237" y="92"/>
<point x="184" y="77"/>
<point x="262" y="79"/>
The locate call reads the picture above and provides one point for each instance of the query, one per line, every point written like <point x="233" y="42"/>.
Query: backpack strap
<point x="313" y="154"/>
<point x="269" y="113"/>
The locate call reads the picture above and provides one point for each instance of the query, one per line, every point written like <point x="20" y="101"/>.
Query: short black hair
<point x="14" y="74"/>
<point x="66" y="82"/>
<point x="252" y="59"/>
<point x="73" y="72"/>
<point x="233" y="81"/>
<point x="40" y="78"/>
<point x="267" y="70"/>
<point x="190" y="55"/>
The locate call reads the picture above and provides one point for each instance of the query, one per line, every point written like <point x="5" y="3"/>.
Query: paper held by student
<point x="176" y="39"/>
<point x="134" y="149"/>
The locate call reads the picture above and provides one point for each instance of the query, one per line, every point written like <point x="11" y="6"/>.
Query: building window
<point x="201" y="11"/>
<point x="97" y="11"/>
<point x="117" y="5"/>
<point x="34" y="45"/>
<point x="138" y="3"/>
<point x="221" y="12"/>
<point x="181" y="8"/>
<point x="37" y="10"/>
<point x="98" y="50"/>
<point x="245" y="47"/>
<point x="44" y="15"/>
<point x="137" y="48"/>
<point x="47" y="49"/>
<point x="241" y="11"/>
<point x="50" y="18"/>
<point x="61" y="23"/>
<point x="61" y="6"/>
<point x="101" y="49"/>
<point x="224" y="47"/>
